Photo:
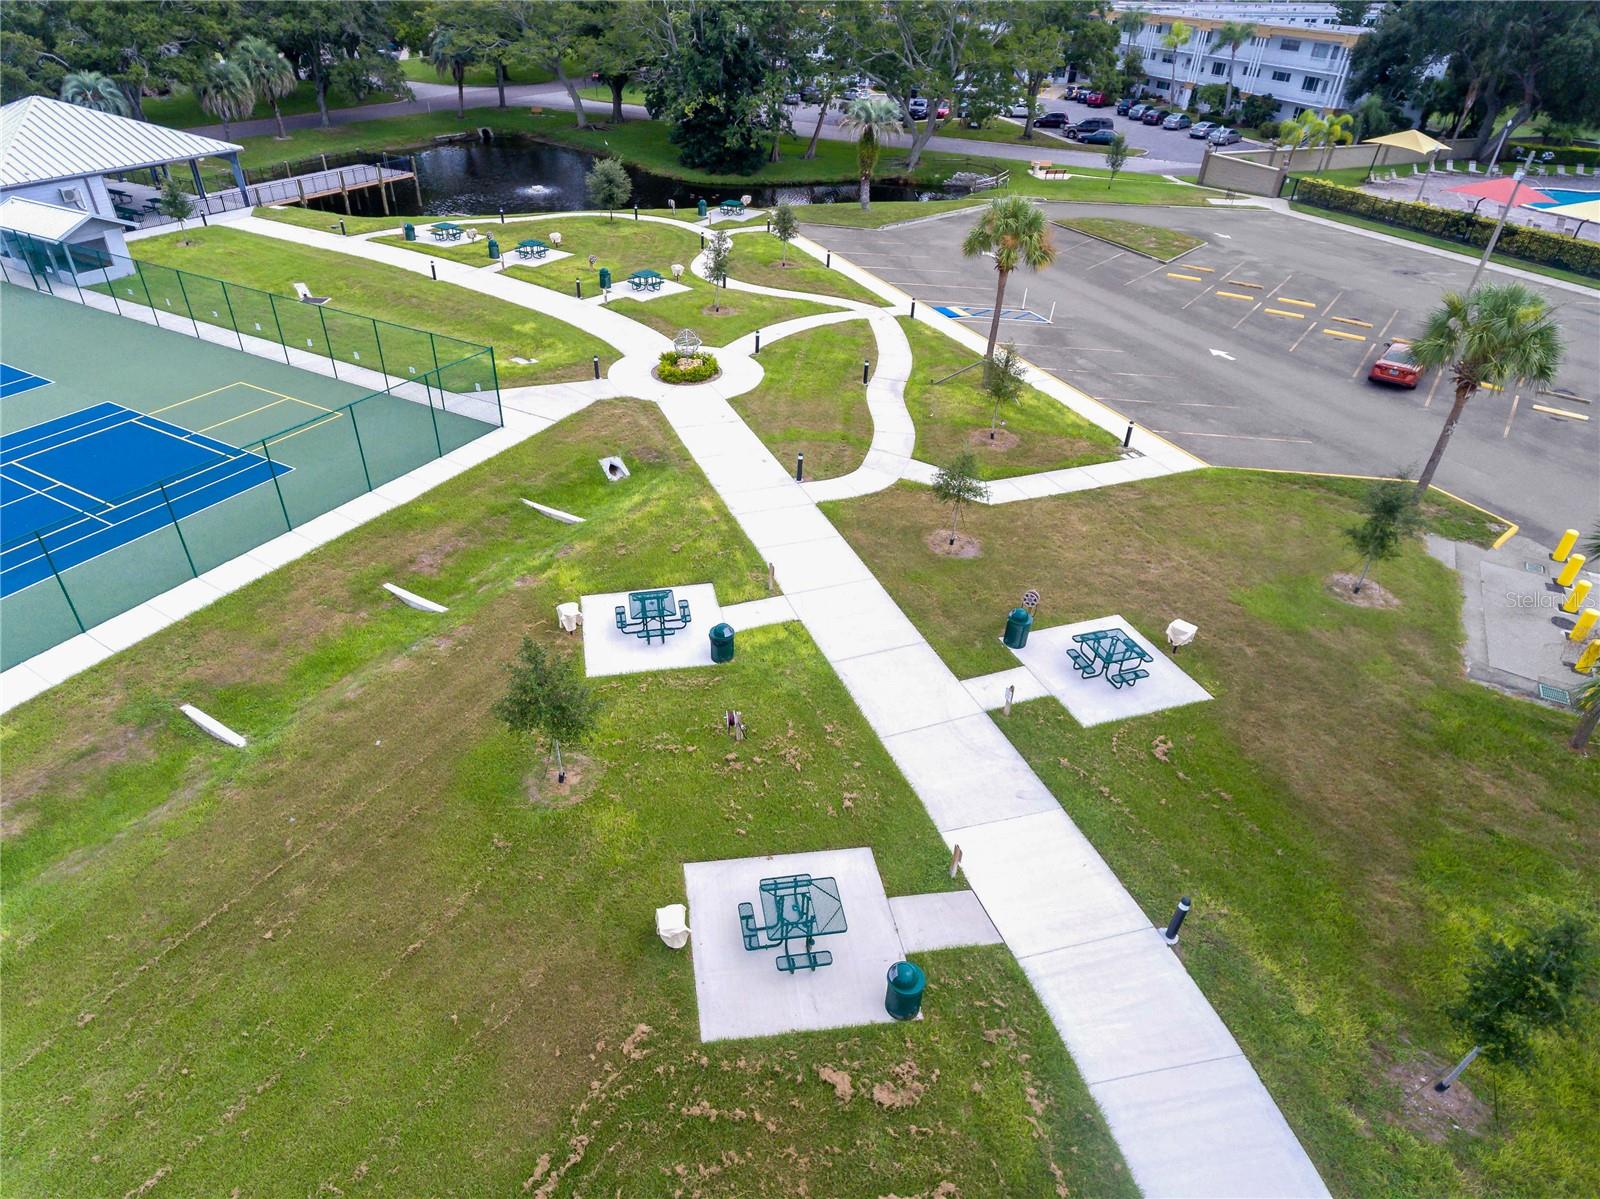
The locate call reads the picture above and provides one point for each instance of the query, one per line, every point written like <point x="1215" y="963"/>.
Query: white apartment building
<point x="1300" y="54"/>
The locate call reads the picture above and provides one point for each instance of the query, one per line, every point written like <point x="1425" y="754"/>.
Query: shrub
<point x="672" y="369"/>
<point x="1530" y="245"/>
<point x="1268" y="130"/>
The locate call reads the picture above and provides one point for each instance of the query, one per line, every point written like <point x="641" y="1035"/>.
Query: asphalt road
<point x="1252" y="350"/>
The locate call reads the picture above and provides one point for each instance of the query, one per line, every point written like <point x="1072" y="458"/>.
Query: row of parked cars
<point x="1153" y="114"/>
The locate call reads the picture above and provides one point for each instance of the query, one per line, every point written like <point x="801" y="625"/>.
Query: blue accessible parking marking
<point x="79" y="486"/>
<point x="962" y="312"/>
<point x="14" y="381"/>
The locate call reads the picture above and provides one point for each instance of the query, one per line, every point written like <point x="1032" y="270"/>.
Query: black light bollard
<point x="1176" y="922"/>
<point x="597" y="366"/>
<point x="829" y="262"/>
<point x="800" y="467"/>
<point x="433" y="270"/>
<point x="758" y="341"/>
<point x="577" y="288"/>
<point x="702" y="241"/>
<point x="635" y="212"/>
<point x="866" y="366"/>
<point x="1127" y="436"/>
<point x="913" y="307"/>
<point x="502" y="216"/>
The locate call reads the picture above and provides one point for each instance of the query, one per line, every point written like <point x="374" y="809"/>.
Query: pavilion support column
<point x="238" y="177"/>
<point x="199" y="187"/>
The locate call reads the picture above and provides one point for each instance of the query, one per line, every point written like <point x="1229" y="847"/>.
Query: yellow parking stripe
<point x="1233" y="295"/>
<point x="1298" y="316"/>
<point x="1298" y="303"/>
<point x="1491" y="387"/>
<point x="1210" y="270"/>
<point x="1350" y="320"/>
<point x="1560" y="412"/>
<point x="1243" y="283"/>
<point x="1343" y="334"/>
<point x="1191" y="278"/>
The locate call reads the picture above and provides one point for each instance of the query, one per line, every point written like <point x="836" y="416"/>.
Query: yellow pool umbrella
<point x="1414" y="140"/>
<point x="1581" y="211"/>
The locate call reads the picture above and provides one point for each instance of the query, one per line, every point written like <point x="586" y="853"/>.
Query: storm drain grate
<point x="1555" y="695"/>
<point x="1534" y="568"/>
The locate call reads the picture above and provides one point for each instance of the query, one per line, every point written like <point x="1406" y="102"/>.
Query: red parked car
<point x="1096" y="100"/>
<point x="1396" y="365"/>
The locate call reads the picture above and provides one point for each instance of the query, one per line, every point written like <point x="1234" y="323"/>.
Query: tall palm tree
<point x="1335" y="131"/>
<point x="1013" y="230"/>
<point x="91" y="89"/>
<point x="1500" y="332"/>
<point x="224" y="91"/>
<point x="450" y="53"/>
<point x="270" y="74"/>
<point x="1233" y="35"/>
<point x="1587" y="701"/>
<point x="871" y="119"/>
<point x="1131" y="22"/>
<point x="1175" y="37"/>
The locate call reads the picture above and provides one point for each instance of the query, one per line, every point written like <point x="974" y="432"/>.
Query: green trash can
<point x="411" y="231"/>
<point x="605" y="278"/>
<point x="1017" y="626"/>
<point x="722" y="643"/>
<point x="494" y="249"/>
<point x="701" y="207"/>
<point x="904" y="998"/>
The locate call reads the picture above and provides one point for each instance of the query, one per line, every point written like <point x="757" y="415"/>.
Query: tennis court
<point x="133" y="458"/>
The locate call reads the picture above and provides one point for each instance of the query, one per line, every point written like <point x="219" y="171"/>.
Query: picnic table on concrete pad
<point x="532" y="247"/>
<point x="445" y="231"/>
<point x="645" y="280"/>
<point x="651" y="614"/>
<point x="731" y="207"/>
<point x="1112" y="653"/>
<point x="798" y="905"/>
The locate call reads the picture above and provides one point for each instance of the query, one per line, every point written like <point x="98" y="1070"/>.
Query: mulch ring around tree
<point x="1002" y="440"/>
<point x="1433" y="1116"/>
<point x="540" y="788"/>
<point x="1342" y="586"/>
<point x="965" y="545"/>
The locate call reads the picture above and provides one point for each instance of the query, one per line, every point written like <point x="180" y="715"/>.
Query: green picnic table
<point x="733" y="207"/>
<point x="532" y="247"/>
<point x="445" y="231"/>
<point x="645" y="280"/>
<point x="651" y="614"/>
<point x="1112" y="653"/>
<point x="794" y="905"/>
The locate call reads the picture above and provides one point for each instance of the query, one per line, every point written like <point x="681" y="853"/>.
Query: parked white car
<point x="1203" y="129"/>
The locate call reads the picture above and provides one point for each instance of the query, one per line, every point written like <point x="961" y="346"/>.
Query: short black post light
<point x="1176" y="922"/>
<point x="800" y="467"/>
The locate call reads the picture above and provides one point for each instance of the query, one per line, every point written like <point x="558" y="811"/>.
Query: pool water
<point x="1565" y="195"/>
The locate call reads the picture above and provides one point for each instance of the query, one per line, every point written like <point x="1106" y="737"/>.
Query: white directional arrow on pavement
<point x="1223" y="354"/>
<point x="1226" y="236"/>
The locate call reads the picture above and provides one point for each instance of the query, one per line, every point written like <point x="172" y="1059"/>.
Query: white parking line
<point x="1261" y="301"/>
<point x="1232" y="436"/>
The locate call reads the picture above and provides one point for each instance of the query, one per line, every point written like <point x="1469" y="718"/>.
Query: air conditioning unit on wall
<point x="74" y="196"/>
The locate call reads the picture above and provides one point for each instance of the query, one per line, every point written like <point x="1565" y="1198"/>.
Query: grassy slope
<point x="811" y="399"/>
<point x="1348" y="813"/>
<point x="388" y="293"/>
<point x="418" y="70"/>
<point x="756" y="257"/>
<point x="999" y="129"/>
<point x="376" y="946"/>
<point x="947" y="414"/>
<point x="883" y="212"/>
<point x="180" y="110"/>
<point x="1150" y="240"/>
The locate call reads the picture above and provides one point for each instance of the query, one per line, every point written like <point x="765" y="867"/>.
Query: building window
<point x="1219" y="68"/>
<point x="1280" y="76"/>
<point x="1166" y="58"/>
<point x="1313" y="84"/>
<point x="1161" y="85"/>
<point x="1289" y="45"/>
<point x="1320" y="50"/>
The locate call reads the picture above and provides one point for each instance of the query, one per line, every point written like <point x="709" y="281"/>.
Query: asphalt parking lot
<point x="1253" y="349"/>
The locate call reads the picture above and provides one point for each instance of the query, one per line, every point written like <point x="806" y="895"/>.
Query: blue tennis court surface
<point x="89" y="482"/>
<point x="15" y="381"/>
<point x="963" y="312"/>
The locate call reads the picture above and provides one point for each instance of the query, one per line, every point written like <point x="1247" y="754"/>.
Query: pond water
<point x="525" y="176"/>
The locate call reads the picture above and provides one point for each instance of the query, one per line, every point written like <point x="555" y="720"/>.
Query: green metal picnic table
<point x="445" y="231"/>
<point x="651" y="614"/>
<point x="532" y="247"/>
<point x="795" y="905"/>
<point x="646" y="280"/>
<point x="735" y="207"/>
<point x="1112" y="653"/>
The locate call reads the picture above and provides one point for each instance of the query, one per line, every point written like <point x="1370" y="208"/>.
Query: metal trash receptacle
<point x="410" y="231"/>
<point x="722" y="643"/>
<point x="494" y="249"/>
<point x="1017" y="626"/>
<point x="903" y="999"/>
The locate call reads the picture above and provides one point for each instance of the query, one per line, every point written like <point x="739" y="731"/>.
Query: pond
<point x="480" y="178"/>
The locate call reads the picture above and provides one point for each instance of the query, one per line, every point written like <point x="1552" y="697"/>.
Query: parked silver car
<point x="1225" y="136"/>
<point x="1178" y="120"/>
<point x="1203" y="129"/>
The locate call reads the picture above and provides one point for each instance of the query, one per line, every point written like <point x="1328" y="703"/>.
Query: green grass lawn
<point x="418" y="70"/>
<point x="1001" y="129"/>
<point x="390" y="294"/>
<point x="1348" y="812"/>
<point x="954" y="416"/>
<point x="381" y="944"/>
<point x="601" y="94"/>
<point x="316" y="218"/>
<point x="757" y="258"/>
<point x="1095" y="186"/>
<point x="811" y="399"/>
<point x="1150" y="240"/>
<point x="882" y="212"/>
<point x="180" y="110"/>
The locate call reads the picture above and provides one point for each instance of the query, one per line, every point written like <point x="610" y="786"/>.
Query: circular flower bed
<point x="686" y="368"/>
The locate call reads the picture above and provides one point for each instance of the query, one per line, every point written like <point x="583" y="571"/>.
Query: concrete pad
<point x="20" y="684"/>
<point x="966" y="773"/>
<point x="234" y="574"/>
<point x="622" y="294"/>
<point x="607" y="650"/>
<point x="1108" y="998"/>
<point x="754" y="613"/>
<point x="61" y="662"/>
<point x="284" y="548"/>
<point x="365" y="507"/>
<point x="130" y="627"/>
<point x="1043" y="884"/>
<point x="323" y="529"/>
<point x="1095" y="701"/>
<point x="742" y="471"/>
<point x="942" y="920"/>
<point x="854" y="619"/>
<point x="741" y="993"/>
<point x="786" y="526"/>
<point x="990" y="689"/>
<point x="1220" y="1134"/>
<point x="185" y="598"/>
<point x="811" y="565"/>
<point x="745" y="500"/>
<point x="899" y="690"/>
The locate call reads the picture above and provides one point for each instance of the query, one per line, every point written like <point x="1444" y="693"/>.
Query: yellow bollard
<point x="1576" y="596"/>
<point x="1564" y="546"/>
<point x="1585" y="623"/>
<point x="1589" y="658"/>
<point x="1570" y="570"/>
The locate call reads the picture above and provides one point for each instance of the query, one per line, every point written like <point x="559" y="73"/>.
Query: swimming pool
<point x="1564" y="195"/>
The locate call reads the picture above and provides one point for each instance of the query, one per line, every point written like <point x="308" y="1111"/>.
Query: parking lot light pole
<point x="1516" y="186"/>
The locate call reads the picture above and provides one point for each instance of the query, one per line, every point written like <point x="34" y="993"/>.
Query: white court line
<point x="132" y="416"/>
<point x="1176" y="403"/>
<point x="55" y="482"/>
<point x="185" y="440"/>
<point x="1232" y="436"/>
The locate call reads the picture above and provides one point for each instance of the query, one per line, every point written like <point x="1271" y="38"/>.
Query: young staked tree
<point x="1174" y="39"/>
<point x="871" y="119"/>
<point x="719" y="260"/>
<point x="958" y="484"/>
<point x="547" y="696"/>
<point x="1116" y="158"/>
<point x="1003" y="381"/>
<point x="91" y="89"/>
<point x="1014" y="231"/>
<point x="784" y="227"/>
<point x="178" y="204"/>
<point x="1392" y="517"/>
<point x="271" y="75"/>
<point x="608" y="185"/>
<point x="224" y="91"/>
<point x="1517" y="989"/>
<point x="1233" y="35"/>
<point x="1500" y="332"/>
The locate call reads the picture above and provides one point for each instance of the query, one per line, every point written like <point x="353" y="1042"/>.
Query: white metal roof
<point x="42" y="140"/>
<point x="52" y="222"/>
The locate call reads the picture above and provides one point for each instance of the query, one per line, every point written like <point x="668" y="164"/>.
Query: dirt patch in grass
<point x="963" y="545"/>
<point x="105" y="746"/>
<point x="998" y="442"/>
<point x="722" y="310"/>
<point x="1371" y="595"/>
<point x="542" y="789"/>
<point x="1425" y="1111"/>
<point x="428" y="561"/>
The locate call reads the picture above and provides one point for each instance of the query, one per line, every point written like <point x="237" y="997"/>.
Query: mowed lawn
<point x="1348" y="813"/>
<point x="373" y="289"/>
<point x="762" y="259"/>
<point x="380" y="951"/>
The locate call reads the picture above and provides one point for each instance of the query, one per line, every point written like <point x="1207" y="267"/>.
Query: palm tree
<point x="91" y="89"/>
<point x="1175" y="37"/>
<point x="1015" y="232"/>
<point x="1233" y="34"/>
<point x="270" y="74"/>
<point x="224" y="91"/>
<point x="451" y="53"/>
<point x="1500" y="331"/>
<point x="1335" y="131"/>
<point x="871" y="119"/>
<point x="1131" y="21"/>
<point x="1587" y="701"/>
